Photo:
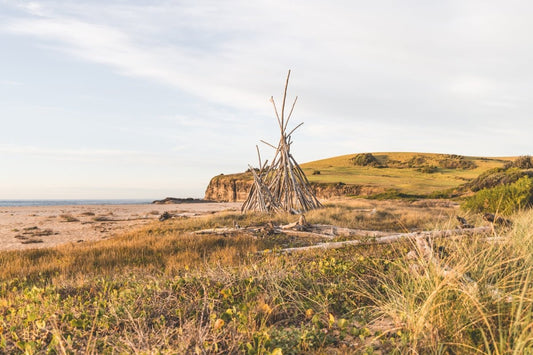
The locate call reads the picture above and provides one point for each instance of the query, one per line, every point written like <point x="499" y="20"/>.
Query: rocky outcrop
<point x="235" y="188"/>
<point x="229" y="188"/>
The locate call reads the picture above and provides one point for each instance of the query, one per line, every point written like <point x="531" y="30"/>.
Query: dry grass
<point x="163" y="290"/>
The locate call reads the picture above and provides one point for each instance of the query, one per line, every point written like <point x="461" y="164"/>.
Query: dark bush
<point x="522" y="162"/>
<point x="428" y="169"/>
<point x="418" y="161"/>
<point x="316" y="172"/>
<point x="454" y="161"/>
<point x="495" y="177"/>
<point x="366" y="159"/>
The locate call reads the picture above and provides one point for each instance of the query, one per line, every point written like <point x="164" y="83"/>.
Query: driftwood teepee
<point x="282" y="185"/>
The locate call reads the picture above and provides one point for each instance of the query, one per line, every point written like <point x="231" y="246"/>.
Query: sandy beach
<point x="46" y="226"/>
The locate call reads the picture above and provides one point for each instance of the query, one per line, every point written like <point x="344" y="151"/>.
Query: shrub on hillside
<point x="418" y="161"/>
<point x="522" y="162"/>
<point x="366" y="159"/>
<point x="428" y="169"/>
<point x="496" y="177"/>
<point x="454" y="161"/>
<point x="502" y="199"/>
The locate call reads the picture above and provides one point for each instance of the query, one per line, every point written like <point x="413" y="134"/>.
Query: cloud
<point x="447" y="66"/>
<point x="70" y="154"/>
<point x="181" y="67"/>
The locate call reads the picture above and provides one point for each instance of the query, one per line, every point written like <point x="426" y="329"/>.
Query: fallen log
<point x="391" y="238"/>
<point x="305" y="234"/>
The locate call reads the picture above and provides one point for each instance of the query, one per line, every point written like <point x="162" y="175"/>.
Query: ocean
<point x="16" y="203"/>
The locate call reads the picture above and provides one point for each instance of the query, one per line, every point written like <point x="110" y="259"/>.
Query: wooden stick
<point x="275" y="109"/>
<point x="290" y="114"/>
<point x="294" y="129"/>
<point x="283" y="103"/>
<point x="258" y="156"/>
<point x="304" y="234"/>
<point x="262" y="141"/>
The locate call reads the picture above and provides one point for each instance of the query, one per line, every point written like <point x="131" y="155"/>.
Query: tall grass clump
<point x="477" y="299"/>
<point x="502" y="199"/>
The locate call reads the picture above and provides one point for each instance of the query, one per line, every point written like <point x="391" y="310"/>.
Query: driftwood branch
<point x="283" y="103"/>
<point x="387" y="239"/>
<point x="275" y="109"/>
<point x="290" y="113"/>
<point x="262" y="141"/>
<point x="295" y="128"/>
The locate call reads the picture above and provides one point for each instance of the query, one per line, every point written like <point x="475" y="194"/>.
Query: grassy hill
<point x="378" y="174"/>
<point x="409" y="173"/>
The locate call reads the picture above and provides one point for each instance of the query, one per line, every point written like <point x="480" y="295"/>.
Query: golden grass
<point x="163" y="290"/>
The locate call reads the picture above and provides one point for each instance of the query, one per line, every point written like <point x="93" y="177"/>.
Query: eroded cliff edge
<point x="235" y="187"/>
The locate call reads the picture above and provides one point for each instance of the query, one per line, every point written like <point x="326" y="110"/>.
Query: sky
<point x="148" y="99"/>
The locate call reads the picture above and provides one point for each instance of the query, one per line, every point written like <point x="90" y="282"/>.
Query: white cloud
<point x="445" y="76"/>
<point x="69" y="154"/>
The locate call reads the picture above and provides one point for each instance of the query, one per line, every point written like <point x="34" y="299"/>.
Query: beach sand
<point x="46" y="226"/>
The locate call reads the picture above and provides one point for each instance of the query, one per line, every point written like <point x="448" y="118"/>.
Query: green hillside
<point x="410" y="173"/>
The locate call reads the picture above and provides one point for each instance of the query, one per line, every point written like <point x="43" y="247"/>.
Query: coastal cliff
<point x="235" y="188"/>
<point x="229" y="188"/>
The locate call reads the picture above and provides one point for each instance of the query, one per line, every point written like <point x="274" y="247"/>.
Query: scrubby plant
<point x="522" y="162"/>
<point x="428" y="169"/>
<point x="417" y="161"/>
<point x="454" y="161"/>
<point x="495" y="177"/>
<point x="502" y="199"/>
<point x="366" y="159"/>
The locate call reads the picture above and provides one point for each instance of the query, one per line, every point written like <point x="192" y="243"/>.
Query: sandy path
<point x="46" y="226"/>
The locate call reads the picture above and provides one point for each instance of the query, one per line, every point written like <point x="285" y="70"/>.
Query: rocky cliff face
<point x="235" y="188"/>
<point x="229" y="188"/>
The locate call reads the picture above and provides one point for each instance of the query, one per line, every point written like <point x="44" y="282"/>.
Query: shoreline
<point x="30" y="227"/>
<point x="73" y="202"/>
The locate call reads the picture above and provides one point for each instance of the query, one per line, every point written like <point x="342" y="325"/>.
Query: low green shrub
<point x="502" y="199"/>
<point x="454" y="161"/>
<point x="495" y="177"/>
<point x="366" y="159"/>
<point x="418" y="161"/>
<point x="428" y="169"/>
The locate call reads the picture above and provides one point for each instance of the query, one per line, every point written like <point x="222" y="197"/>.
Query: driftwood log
<point x="390" y="238"/>
<point x="302" y="229"/>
